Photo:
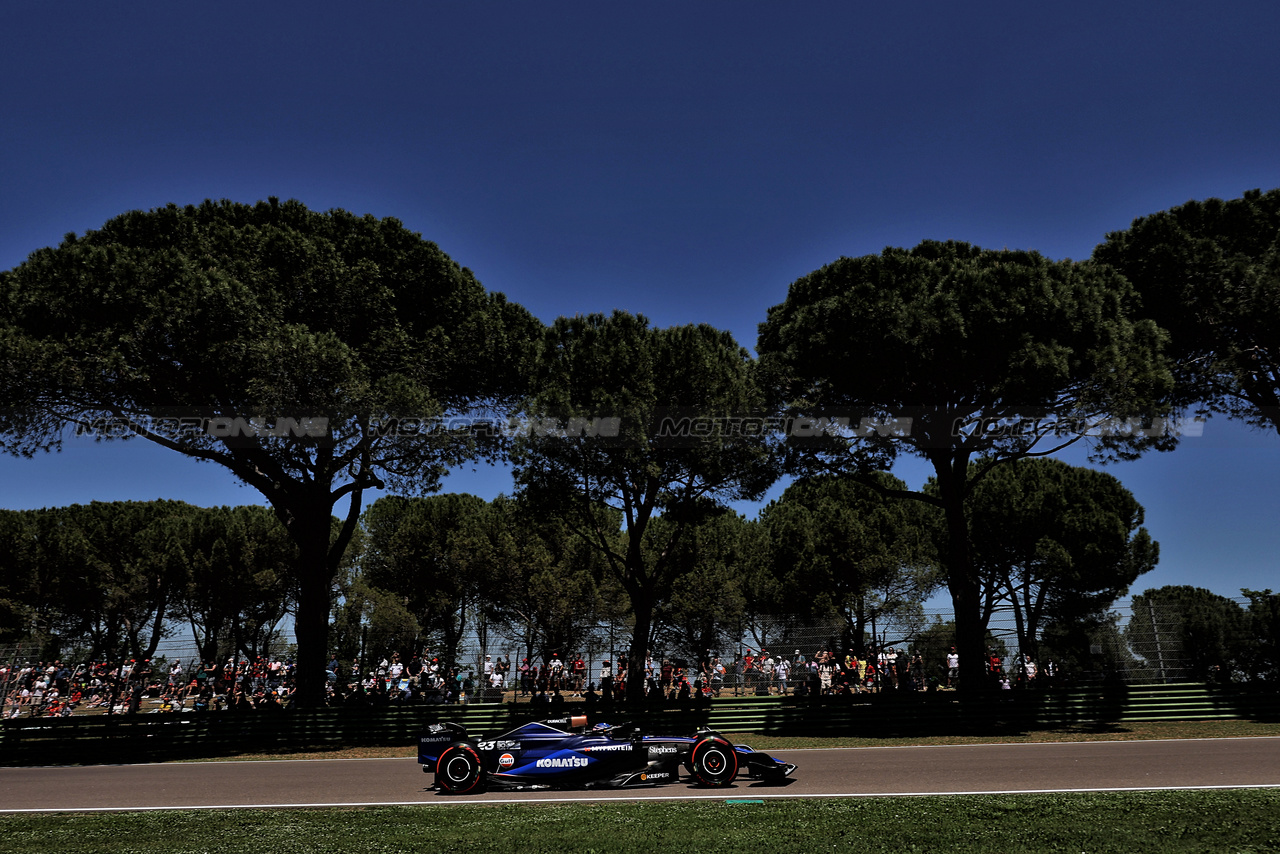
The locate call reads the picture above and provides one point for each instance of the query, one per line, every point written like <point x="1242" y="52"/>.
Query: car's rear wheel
<point x="458" y="771"/>
<point x="713" y="762"/>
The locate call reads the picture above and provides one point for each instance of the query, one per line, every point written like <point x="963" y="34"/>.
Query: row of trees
<point x="217" y="330"/>
<point x="111" y="580"/>
<point x="1181" y="631"/>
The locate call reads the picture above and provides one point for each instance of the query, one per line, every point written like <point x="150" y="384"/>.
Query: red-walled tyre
<point x="458" y="771"/>
<point x="713" y="762"/>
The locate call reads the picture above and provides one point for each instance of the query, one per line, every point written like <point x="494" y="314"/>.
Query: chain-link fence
<point x="1143" y="639"/>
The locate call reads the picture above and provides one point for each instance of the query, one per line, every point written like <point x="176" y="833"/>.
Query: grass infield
<point x="1164" y="822"/>
<point x="1241" y="820"/>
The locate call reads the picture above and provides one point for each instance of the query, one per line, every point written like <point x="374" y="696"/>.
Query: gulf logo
<point x="505" y="761"/>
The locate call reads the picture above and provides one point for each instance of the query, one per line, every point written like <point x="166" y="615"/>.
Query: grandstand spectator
<point x="526" y="683"/>
<point x="826" y="671"/>
<point x="717" y="676"/>
<point x="495" y="676"/>
<point x="918" y="673"/>
<point x="606" y="679"/>
<point x="21" y="699"/>
<point x="555" y="669"/>
<point x="767" y="666"/>
<point x="61" y="677"/>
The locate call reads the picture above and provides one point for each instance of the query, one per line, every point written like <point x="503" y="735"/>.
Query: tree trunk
<point x="157" y="628"/>
<point x="310" y="529"/>
<point x="962" y="579"/>
<point x="1015" y="603"/>
<point x="643" y="611"/>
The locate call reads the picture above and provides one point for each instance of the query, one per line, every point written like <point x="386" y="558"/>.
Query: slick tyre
<point x="713" y="762"/>
<point x="458" y="771"/>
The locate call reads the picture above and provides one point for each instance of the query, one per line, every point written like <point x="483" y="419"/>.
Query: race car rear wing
<point x="436" y="738"/>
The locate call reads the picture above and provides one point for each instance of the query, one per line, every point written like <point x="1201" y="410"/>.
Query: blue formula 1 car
<point x="565" y="753"/>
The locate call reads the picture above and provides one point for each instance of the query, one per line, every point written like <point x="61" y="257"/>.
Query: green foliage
<point x="1184" y="626"/>
<point x="240" y="572"/>
<point x="1260" y="659"/>
<point x="711" y="562"/>
<point x="949" y="333"/>
<point x="112" y="571"/>
<point x="1088" y="643"/>
<point x="370" y="623"/>
<point x="21" y="599"/>
<point x="617" y="367"/>
<point x="108" y="576"/>
<point x="1055" y="542"/>
<point x="995" y="354"/>
<point x="839" y="548"/>
<point x="270" y="311"/>
<point x="438" y="556"/>
<point x="553" y="592"/>
<point x="1209" y="272"/>
<point x="432" y="569"/>
<point x="241" y="310"/>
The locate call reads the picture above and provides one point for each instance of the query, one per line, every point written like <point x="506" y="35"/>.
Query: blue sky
<point x="682" y="160"/>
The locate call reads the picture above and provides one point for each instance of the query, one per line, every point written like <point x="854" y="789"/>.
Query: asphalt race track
<point x="843" y="772"/>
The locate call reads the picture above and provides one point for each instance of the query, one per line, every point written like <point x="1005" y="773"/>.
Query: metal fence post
<point x="1155" y="631"/>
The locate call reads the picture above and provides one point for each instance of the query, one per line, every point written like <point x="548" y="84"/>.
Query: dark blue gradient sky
<point x="682" y="160"/>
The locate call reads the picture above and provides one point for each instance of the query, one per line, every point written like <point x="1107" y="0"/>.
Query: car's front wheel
<point x="713" y="762"/>
<point x="458" y="771"/>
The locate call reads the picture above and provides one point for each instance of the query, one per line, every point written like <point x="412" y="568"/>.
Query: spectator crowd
<point x="56" y="689"/>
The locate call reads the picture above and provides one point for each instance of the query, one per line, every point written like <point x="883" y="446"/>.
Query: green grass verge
<point x="1243" y="820"/>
